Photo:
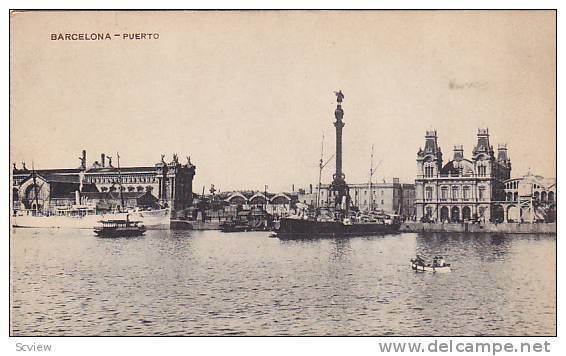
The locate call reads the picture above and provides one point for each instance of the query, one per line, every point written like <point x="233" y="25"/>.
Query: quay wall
<point x="206" y="225"/>
<point x="507" y="228"/>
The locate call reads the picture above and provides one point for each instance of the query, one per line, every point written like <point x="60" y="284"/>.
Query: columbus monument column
<point x="339" y="186"/>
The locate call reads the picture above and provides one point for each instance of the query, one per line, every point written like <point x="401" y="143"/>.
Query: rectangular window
<point x="444" y="193"/>
<point x="454" y="193"/>
<point x="481" y="193"/>
<point x="428" y="193"/>
<point x="465" y="193"/>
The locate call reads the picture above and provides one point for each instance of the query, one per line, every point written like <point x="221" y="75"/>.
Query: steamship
<point x="341" y="219"/>
<point x="85" y="216"/>
<point x="291" y="227"/>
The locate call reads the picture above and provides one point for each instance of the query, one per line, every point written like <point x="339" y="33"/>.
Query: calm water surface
<point x="209" y="283"/>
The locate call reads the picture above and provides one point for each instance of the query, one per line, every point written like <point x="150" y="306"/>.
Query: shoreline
<point x="507" y="228"/>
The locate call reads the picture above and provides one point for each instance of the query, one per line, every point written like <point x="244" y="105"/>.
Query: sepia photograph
<point x="386" y="173"/>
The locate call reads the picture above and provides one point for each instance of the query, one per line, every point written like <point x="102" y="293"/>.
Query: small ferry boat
<point x="235" y="226"/>
<point x="438" y="265"/>
<point x="119" y="228"/>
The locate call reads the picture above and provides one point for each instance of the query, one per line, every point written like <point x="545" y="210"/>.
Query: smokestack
<point x="310" y="188"/>
<point x="103" y="159"/>
<point x="502" y="152"/>
<point x="458" y="152"/>
<point x="293" y="188"/>
<point x="83" y="160"/>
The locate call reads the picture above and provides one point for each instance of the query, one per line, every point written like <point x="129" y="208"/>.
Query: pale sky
<point x="248" y="94"/>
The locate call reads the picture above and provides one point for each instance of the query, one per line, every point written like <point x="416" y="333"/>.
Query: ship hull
<point x="298" y="228"/>
<point x="151" y="219"/>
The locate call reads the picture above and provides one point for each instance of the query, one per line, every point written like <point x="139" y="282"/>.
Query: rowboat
<point x="438" y="265"/>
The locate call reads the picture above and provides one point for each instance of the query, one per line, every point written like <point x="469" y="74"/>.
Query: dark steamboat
<point x="291" y="227"/>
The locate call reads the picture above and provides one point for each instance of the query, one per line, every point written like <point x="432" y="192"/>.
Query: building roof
<point x="535" y="179"/>
<point x="108" y="195"/>
<point x="47" y="171"/>
<point x="54" y="178"/>
<point x="148" y="169"/>
<point x="453" y="167"/>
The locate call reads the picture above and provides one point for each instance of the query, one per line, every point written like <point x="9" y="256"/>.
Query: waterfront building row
<point x="392" y="197"/>
<point x="165" y="184"/>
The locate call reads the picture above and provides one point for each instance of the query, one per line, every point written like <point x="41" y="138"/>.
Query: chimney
<point x="83" y="160"/>
<point x="502" y="152"/>
<point x="293" y="188"/>
<point x="458" y="153"/>
<point x="310" y="188"/>
<point x="103" y="159"/>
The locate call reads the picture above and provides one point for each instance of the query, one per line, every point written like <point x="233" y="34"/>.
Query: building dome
<point x="458" y="167"/>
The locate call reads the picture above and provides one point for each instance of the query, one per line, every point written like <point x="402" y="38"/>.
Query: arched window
<point x="551" y="196"/>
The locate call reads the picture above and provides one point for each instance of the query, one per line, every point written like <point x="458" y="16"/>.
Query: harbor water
<point x="70" y="282"/>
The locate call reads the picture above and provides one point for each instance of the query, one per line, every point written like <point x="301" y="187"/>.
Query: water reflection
<point x="209" y="283"/>
<point x="340" y="248"/>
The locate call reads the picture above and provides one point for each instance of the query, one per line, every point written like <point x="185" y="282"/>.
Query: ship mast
<point x="120" y="181"/>
<point x="33" y="174"/>
<point x="371" y="171"/>
<point x="321" y="166"/>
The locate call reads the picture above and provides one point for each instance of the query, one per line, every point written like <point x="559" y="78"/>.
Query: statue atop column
<point x="83" y="162"/>
<point x="339" y="96"/>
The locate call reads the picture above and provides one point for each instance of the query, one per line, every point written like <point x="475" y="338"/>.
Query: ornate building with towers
<point x="462" y="189"/>
<point x="104" y="185"/>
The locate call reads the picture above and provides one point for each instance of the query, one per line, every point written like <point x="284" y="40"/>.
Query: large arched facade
<point x="237" y="199"/>
<point x="498" y="214"/>
<point x="466" y="213"/>
<point x="258" y="199"/>
<point x="444" y="214"/>
<point x="455" y="214"/>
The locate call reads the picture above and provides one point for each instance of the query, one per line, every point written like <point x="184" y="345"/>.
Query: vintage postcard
<point x="299" y="173"/>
